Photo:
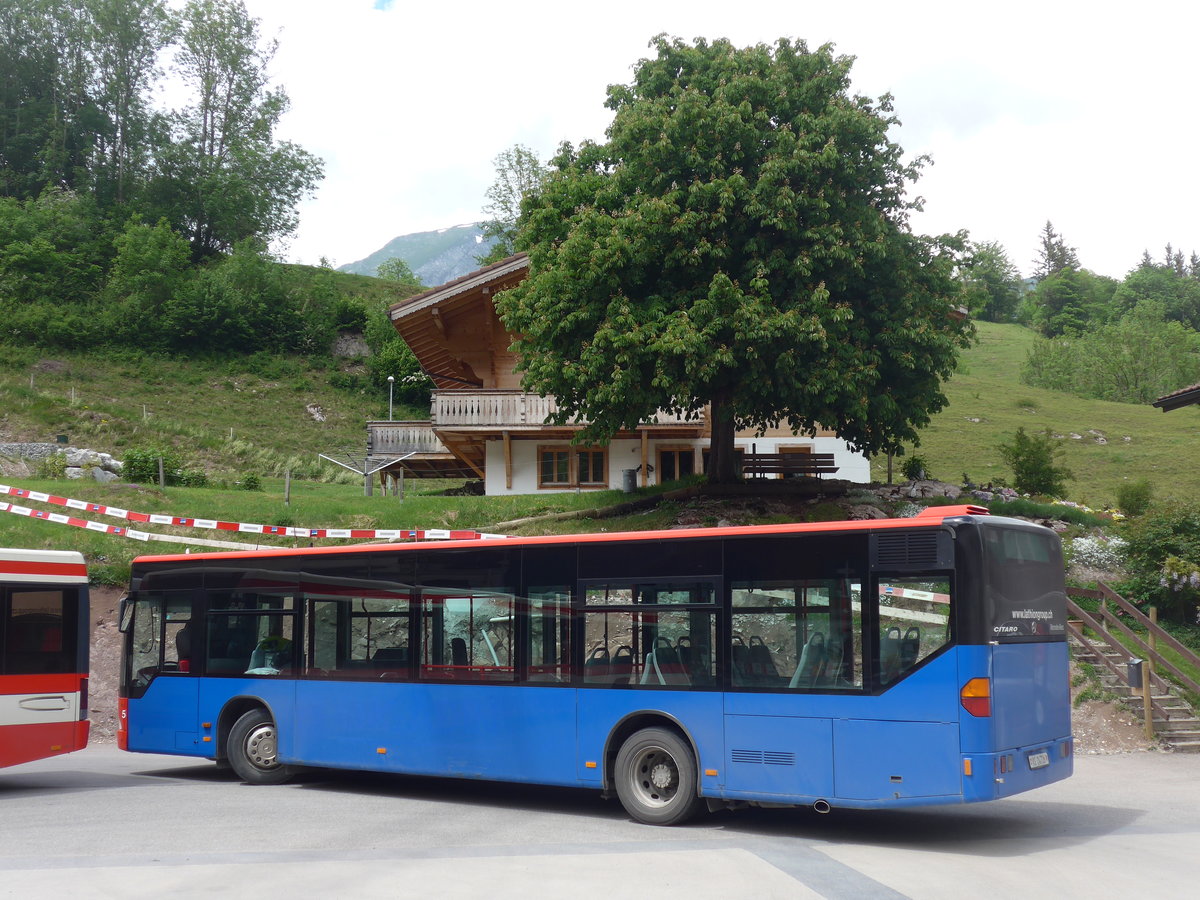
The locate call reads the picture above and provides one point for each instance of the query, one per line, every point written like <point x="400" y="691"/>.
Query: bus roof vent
<point x="911" y="549"/>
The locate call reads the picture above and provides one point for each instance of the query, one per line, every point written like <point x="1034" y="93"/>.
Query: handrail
<point x="1115" y="645"/>
<point x="1142" y="619"/>
<point x="1158" y="661"/>
<point x="1151" y="654"/>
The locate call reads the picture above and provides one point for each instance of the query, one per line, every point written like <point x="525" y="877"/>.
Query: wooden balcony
<point x="402" y="438"/>
<point x="515" y="410"/>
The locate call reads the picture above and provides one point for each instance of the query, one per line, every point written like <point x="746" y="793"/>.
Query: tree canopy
<point x="518" y="172"/>
<point x="77" y="79"/>
<point x="740" y="240"/>
<point x="991" y="283"/>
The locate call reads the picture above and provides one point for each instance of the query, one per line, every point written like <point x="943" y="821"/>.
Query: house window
<point x="554" y="468"/>
<point x="674" y="464"/>
<point x="562" y="467"/>
<point x="591" y="466"/>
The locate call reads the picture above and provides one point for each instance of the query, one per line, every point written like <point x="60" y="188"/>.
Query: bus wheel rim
<point x="655" y="777"/>
<point x="260" y="747"/>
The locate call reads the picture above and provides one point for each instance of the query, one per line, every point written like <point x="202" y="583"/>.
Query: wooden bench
<point x="789" y="465"/>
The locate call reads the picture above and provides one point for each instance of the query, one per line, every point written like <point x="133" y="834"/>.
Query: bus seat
<point x="812" y="662"/>
<point x="183" y="647"/>
<point x="683" y="649"/>
<point x="597" y="666"/>
<point x="458" y="652"/>
<point x="910" y="647"/>
<point x="835" y="656"/>
<point x="662" y="665"/>
<point x="271" y="656"/>
<point x="695" y="659"/>
<point x="889" y="654"/>
<point x="761" y="663"/>
<point x="739" y="657"/>
<point x="622" y="661"/>
<point x="651" y="669"/>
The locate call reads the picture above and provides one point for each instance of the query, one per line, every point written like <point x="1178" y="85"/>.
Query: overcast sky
<point x="1083" y="115"/>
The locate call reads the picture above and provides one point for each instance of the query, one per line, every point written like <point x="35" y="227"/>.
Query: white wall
<point x="627" y="454"/>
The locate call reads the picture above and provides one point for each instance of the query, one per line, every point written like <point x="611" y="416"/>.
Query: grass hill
<point x="265" y="415"/>
<point x="1105" y="444"/>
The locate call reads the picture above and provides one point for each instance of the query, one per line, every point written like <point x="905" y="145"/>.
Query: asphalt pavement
<point x="103" y="823"/>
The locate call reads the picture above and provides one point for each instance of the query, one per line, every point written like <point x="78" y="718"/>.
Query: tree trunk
<point x="722" y="460"/>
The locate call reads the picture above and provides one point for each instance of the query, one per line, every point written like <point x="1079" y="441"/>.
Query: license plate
<point x="1039" y="760"/>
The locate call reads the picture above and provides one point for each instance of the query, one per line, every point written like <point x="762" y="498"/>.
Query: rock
<point x="104" y="476"/>
<point x="318" y="414"/>
<point x="73" y="472"/>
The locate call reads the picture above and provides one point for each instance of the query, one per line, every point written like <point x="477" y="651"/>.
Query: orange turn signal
<point x="976" y="697"/>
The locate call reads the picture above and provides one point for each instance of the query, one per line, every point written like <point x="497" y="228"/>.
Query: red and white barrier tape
<point x="391" y="534"/>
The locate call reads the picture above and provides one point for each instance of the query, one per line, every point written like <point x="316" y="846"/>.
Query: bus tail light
<point x="976" y="697"/>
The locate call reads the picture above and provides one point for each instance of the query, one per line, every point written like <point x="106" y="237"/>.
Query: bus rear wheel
<point x="656" y="777"/>
<point x="253" y="747"/>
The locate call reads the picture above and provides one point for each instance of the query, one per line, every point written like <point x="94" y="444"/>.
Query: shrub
<point x="915" y="468"/>
<point x="1098" y="553"/>
<point x="1134" y="499"/>
<point x="53" y="466"/>
<point x="1031" y="458"/>
<point x="250" y="483"/>
<point x="1163" y="559"/>
<point x="193" y="479"/>
<point x="141" y="465"/>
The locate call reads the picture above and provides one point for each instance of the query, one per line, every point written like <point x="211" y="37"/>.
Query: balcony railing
<point x="509" y="409"/>
<point x="402" y="438"/>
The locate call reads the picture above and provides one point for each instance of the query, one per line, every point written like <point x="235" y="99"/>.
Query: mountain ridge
<point x="435" y="257"/>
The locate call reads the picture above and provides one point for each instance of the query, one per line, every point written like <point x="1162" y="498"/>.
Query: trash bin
<point x="1134" y="673"/>
<point x="629" y="480"/>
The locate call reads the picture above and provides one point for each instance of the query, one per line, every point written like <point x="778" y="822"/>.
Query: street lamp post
<point x="391" y="382"/>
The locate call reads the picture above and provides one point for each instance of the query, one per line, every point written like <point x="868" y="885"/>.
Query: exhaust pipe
<point x="822" y="806"/>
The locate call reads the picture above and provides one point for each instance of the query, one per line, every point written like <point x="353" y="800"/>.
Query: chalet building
<point x="482" y="425"/>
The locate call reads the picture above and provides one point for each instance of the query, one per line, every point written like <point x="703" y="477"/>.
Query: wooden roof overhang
<point x="1183" y="397"/>
<point x="426" y="320"/>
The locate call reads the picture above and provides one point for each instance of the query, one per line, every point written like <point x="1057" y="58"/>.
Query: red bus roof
<point x="932" y="515"/>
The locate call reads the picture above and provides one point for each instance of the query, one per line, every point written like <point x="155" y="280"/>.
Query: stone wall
<point x="81" y="463"/>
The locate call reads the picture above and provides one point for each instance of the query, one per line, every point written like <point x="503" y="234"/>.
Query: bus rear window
<point x="1024" y="591"/>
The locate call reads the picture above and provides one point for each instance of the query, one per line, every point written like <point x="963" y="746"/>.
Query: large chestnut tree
<point x="740" y="241"/>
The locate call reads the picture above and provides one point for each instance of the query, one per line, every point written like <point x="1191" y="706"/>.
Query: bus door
<point x="905" y="743"/>
<point x="350" y="709"/>
<point x="650" y="643"/>
<point x="796" y="662"/>
<point x="162" y="649"/>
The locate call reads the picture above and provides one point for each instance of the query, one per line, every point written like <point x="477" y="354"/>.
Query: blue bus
<point x="885" y="663"/>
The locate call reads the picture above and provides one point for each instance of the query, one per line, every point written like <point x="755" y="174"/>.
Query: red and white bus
<point x="43" y="654"/>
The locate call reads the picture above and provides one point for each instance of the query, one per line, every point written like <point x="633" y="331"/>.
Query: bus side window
<point x="914" y="622"/>
<point x="548" y="653"/>
<point x="37" y="634"/>
<point x="795" y="635"/>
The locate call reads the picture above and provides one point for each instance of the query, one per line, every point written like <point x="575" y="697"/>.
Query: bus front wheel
<point x="655" y="777"/>
<point x="252" y="749"/>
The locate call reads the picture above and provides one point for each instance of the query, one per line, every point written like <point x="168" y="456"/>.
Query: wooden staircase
<point x="1095" y="640"/>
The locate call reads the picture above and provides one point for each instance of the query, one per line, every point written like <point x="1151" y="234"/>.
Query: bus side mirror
<point x="125" y="618"/>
